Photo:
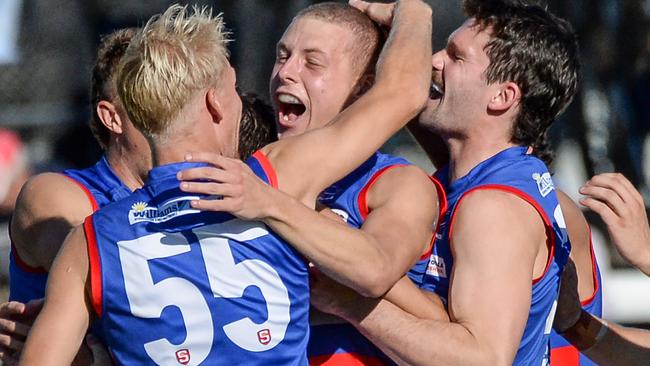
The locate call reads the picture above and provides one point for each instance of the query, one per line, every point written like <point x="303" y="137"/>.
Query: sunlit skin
<point x="311" y="67"/>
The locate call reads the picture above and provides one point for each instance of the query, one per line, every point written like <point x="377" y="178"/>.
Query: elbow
<point x="373" y="284"/>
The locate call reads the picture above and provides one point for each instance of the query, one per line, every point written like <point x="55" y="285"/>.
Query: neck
<point x="126" y="167"/>
<point x="465" y="154"/>
<point x="175" y="151"/>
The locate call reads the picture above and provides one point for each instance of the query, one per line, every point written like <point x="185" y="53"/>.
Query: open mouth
<point x="290" y="109"/>
<point x="435" y="91"/>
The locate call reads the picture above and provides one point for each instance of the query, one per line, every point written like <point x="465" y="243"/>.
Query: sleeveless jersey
<point x="175" y="286"/>
<point x="562" y="352"/>
<point x="417" y="272"/>
<point x="513" y="171"/>
<point x="102" y="186"/>
<point x="341" y="344"/>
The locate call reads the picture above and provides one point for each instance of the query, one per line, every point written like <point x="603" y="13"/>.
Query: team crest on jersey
<point x="437" y="267"/>
<point x="141" y="212"/>
<point x="544" y="183"/>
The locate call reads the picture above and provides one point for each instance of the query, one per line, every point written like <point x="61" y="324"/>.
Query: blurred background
<point x="47" y="49"/>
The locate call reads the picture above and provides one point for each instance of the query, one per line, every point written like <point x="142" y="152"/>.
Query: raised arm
<point x="403" y="76"/>
<point x="59" y="330"/>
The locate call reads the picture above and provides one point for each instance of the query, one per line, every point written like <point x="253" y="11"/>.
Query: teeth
<point x="285" y="118"/>
<point x="289" y="99"/>
<point x="435" y="91"/>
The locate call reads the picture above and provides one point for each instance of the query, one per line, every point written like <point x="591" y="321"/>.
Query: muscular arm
<point x="48" y="207"/>
<point x="403" y="76"/>
<point x="488" y="334"/>
<point x="580" y="236"/>
<point x="402" y="211"/>
<point x="61" y="326"/>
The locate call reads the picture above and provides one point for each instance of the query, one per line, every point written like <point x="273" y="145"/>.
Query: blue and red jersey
<point x="512" y="171"/>
<point x="173" y="285"/>
<point x="341" y="344"/>
<point x="562" y="352"/>
<point x="102" y="186"/>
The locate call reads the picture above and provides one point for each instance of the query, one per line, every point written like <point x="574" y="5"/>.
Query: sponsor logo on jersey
<point x="544" y="183"/>
<point x="437" y="267"/>
<point x="141" y="212"/>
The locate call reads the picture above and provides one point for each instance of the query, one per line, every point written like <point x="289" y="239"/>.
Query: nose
<point x="289" y="70"/>
<point x="438" y="60"/>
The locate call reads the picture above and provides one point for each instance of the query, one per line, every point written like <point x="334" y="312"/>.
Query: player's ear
<point x="107" y="113"/>
<point x="213" y="105"/>
<point x="506" y="96"/>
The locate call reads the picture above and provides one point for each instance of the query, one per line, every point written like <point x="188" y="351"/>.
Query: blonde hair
<point x="175" y="55"/>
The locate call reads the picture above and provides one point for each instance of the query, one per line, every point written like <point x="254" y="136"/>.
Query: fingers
<point x="217" y="190"/>
<point x="606" y="196"/>
<point x="11" y="343"/>
<point x="602" y="209"/>
<point x="380" y="13"/>
<point x="617" y="183"/>
<point x="212" y="159"/>
<point x="13" y="327"/>
<point x="11" y="308"/>
<point x="8" y="357"/>
<point x="206" y="173"/>
<point x="361" y="5"/>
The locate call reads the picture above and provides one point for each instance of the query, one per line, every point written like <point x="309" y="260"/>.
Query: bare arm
<point x="60" y="328"/>
<point x="403" y="75"/>
<point x="48" y="207"/>
<point x="477" y="335"/>
<point x="621" y="206"/>
<point x="402" y="205"/>
<point x="580" y="236"/>
<point x="606" y="344"/>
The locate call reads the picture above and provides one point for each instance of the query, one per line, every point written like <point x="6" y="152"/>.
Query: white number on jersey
<point x="227" y="280"/>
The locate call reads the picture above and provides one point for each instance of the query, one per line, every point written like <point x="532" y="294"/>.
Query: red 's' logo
<point x="183" y="356"/>
<point x="264" y="336"/>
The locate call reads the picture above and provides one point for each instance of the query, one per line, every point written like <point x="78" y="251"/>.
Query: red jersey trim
<point x="344" y="359"/>
<point x="95" y="266"/>
<point x="267" y="167"/>
<point x="24" y="266"/>
<point x="91" y="198"/>
<point x="565" y="356"/>
<point x="594" y="271"/>
<point x="550" y="241"/>
<point x="362" y="200"/>
<point x="442" y="210"/>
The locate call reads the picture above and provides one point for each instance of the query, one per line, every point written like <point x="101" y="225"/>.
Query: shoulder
<point x="52" y="194"/>
<point x="49" y="205"/>
<point x="493" y="213"/>
<point x="403" y="182"/>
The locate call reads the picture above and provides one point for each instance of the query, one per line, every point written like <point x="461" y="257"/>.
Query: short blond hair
<point x="175" y="55"/>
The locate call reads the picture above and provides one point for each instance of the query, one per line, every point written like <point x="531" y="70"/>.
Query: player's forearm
<point x="405" y="295"/>
<point x="347" y="255"/>
<point x="417" y="341"/>
<point x="52" y="340"/>
<point x="411" y="31"/>
<point x="621" y="346"/>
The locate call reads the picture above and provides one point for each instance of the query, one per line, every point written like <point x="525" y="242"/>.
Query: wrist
<point x="586" y="332"/>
